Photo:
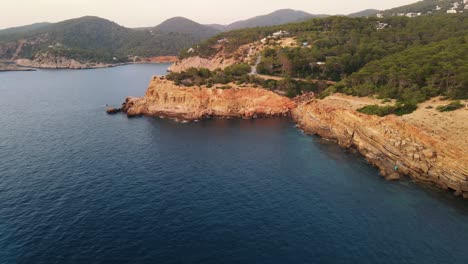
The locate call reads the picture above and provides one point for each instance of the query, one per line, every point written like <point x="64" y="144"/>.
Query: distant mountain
<point x="186" y="26"/>
<point x="279" y="17"/>
<point x="23" y="29"/>
<point x="218" y="27"/>
<point x="97" y="39"/>
<point x="365" y="13"/>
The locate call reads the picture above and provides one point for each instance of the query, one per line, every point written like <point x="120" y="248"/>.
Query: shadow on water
<point x="335" y="152"/>
<point x="219" y="130"/>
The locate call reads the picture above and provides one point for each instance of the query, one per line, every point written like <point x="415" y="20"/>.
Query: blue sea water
<point x="79" y="186"/>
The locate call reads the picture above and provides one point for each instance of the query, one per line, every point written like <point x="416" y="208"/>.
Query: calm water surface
<point x="78" y="186"/>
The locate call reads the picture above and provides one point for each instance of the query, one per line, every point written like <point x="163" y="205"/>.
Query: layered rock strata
<point x="165" y="98"/>
<point x="396" y="147"/>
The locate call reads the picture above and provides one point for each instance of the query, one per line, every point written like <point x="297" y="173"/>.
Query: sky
<point x="141" y="13"/>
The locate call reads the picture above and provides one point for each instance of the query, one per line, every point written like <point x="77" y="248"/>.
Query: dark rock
<point x="112" y="110"/>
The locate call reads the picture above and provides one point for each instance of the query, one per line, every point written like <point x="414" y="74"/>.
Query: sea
<point x="80" y="186"/>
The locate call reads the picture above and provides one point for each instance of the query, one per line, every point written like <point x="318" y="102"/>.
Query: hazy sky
<point x="138" y="13"/>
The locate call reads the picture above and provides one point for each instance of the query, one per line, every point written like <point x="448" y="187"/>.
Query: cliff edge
<point x="165" y="98"/>
<point x="393" y="144"/>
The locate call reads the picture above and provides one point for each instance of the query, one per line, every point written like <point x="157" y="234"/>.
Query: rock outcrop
<point x="47" y="60"/>
<point x="163" y="97"/>
<point x="198" y="62"/>
<point x="396" y="147"/>
<point x="12" y="67"/>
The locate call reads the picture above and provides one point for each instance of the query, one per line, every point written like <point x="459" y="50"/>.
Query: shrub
<point x="451" y="107"/>
<point x="398" y="109"/>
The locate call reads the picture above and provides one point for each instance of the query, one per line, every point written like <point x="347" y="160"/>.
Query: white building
<point x="224" y="40"/>
<point x="451" y="11"/>
<point x="280" y="34"/>
<point x="381" y="25"/>
<point x="413" y="14"/>
<point x="381" y="15"/>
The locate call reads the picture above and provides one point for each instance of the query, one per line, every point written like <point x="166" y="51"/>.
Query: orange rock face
<point x="396" y="147"/>
<point x="165" y="98"/>
<point x="198" y="62"/>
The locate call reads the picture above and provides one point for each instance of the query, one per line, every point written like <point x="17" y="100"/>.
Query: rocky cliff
<point x="198" y="62"/>
<point x="47" y="60"/>
<point x="165" y="98"/>
<point x="396" y="147"/>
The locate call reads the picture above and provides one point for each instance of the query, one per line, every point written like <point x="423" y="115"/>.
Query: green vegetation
<point x="411" y="59"/>
<point x="416" y="74"/>
<point x="398" y="109"/>
<point x="239" y="74"/>
<point x="93" y="38"/>
<point x="423" y="7"/>
<point x="455" y="105"/>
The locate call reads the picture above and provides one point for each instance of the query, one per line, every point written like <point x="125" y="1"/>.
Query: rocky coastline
<point x="395" y="146"/>
<point x="58" y="62"/>
<point x="7" y="66"/>
<point x="164" y="98"/>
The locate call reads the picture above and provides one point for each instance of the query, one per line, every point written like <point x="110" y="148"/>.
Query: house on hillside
<point x="224" y="40"/>
<point x="280" y="34"/>
<point x="413" y="14"/>
<point x="381" y="25"/>
<point x="380" y="15"/>
<point x="451" y="11"/>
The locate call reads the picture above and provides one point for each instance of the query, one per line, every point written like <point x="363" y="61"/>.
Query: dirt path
<point x="277" y="78"/>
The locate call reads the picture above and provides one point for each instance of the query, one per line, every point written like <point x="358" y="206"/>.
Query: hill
<point x="427" y="7"/>
<point x="409" y="59"/>
<point x="365" y="13"/>
<point x="23" y="29"/>
<point x="186" y="26"/>
<point x="278" y="17"/>
<point x="100" y="40"/>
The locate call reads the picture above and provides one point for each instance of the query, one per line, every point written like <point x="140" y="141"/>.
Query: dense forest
<point x="410" y="59"/>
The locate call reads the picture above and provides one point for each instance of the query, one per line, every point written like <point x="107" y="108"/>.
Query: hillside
<point x="278" y="17"/>
<point x="186" y="26"/>
<point x="365" y="13"/>
<point x="23" y="29"/>
<point x="100" y="40"/>
<point x="427" y="7"/>
<point x="410" y="59"/>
